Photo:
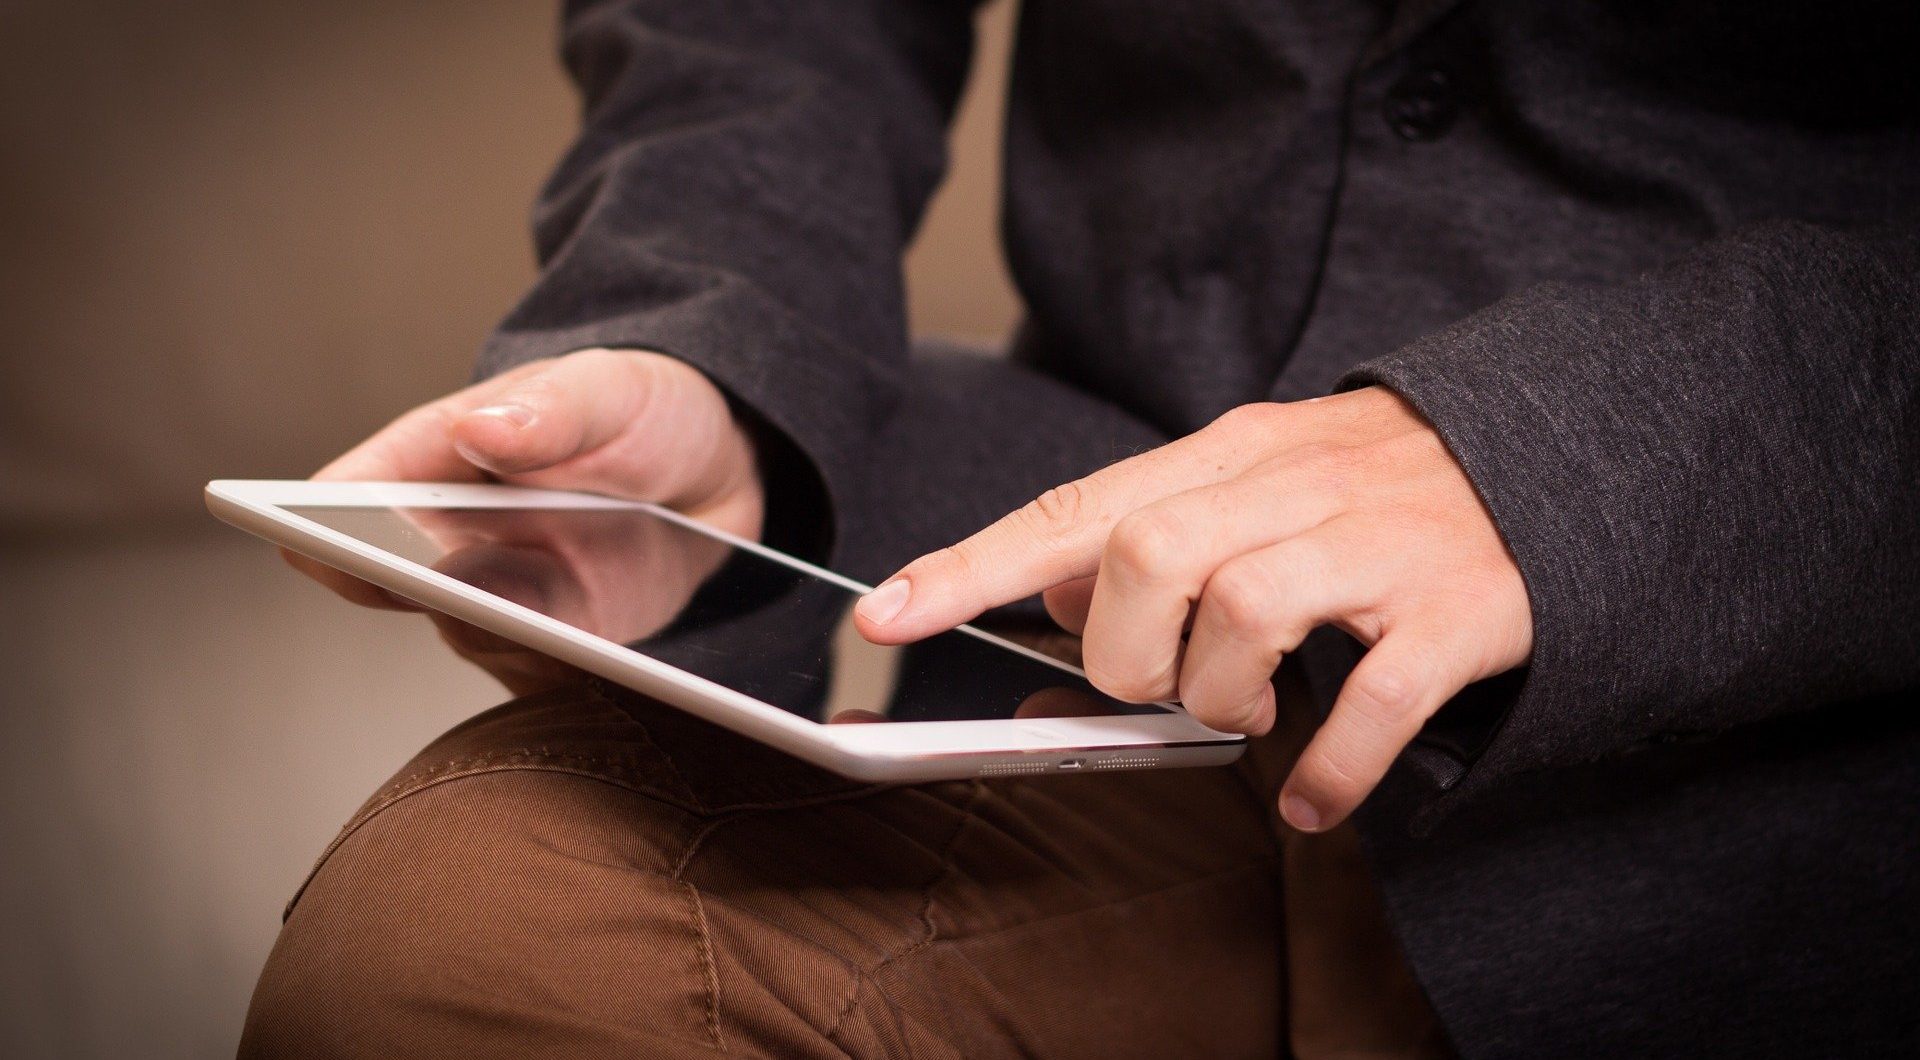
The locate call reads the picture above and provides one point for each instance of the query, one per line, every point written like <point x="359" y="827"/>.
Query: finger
<point x="1067" y="604"/>
<point x="668" y="420"/>
<point x="856" y="716"/>
<point x="522" y="670"/>
<point x="1395" y="689"/>
<point x="529" y="577"/>
<point x="571" y="406"/>
<point x="1059" y="703"/>
<point x="1254" y="610"/>
<point x="1159" y="558"/>
<point x="629" y="423"/>
<point x="1055" y="538"/>
<point x="631" y="577"/>
<point x="418" y="445"/>
<point x="413" y="448"/>
<point x="473" y="643"/>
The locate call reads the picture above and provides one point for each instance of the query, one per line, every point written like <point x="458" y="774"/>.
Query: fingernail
<point x="883" y="604"/>
<point x="1300" y="813"/>
<point x="517" y="415"/>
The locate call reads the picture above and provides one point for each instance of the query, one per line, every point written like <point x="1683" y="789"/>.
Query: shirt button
<point x="1422" y="106"/>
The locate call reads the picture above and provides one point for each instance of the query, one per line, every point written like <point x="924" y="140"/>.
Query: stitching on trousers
<point x="709" y="967"/>
<point x="708" y="960"/>
<point x="598" y="689"/>
<point x="977" y="789"/>
<point x="534" y="761"/>
<point x="604" y="692"/>
<point x="708" y="964"/>
<point x="398" y="789"/>
<point x="520" y="758"/>
<point x="699" y="839"/>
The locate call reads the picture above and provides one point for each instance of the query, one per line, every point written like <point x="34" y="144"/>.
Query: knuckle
<point x="1245" y="596"/>
<point x="1317" y="455"/>
<point x="1326" y="467"/>
<point x="645" y="372"/>
<point x="1056" y="513"/>
<point x="1337" y="771"/>
<point x="954" y="564"/>
<point x="1367" y="622"/>
<point x="540" y="390"/>
<point x="626" y="378"/>
<point x="1383" y="696"/>
<point x="602" y="362"/>
<point x="1258" y="417"/>
<point x="1148" y="542"/>
<point x="1118" y="682"/>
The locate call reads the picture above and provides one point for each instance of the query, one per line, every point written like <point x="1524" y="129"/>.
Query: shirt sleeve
<point x="745" y="180"/>
<point x="1710" y="479"/>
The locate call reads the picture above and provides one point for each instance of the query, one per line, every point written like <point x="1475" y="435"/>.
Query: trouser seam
<point x="709" y="967"/>
<point x="929" y="932"/>
<point x="524" y="758"/>
<point x="597" y="688"/>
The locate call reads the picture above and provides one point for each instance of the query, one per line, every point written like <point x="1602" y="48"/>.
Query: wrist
<point x="717" y="444"/>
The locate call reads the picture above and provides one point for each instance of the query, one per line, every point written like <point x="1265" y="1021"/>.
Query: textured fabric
<point x="740" y="195"/>
<point x="584" y="873"/>
<point x="1648" y="267"/>
<point x="1750" y="894"/>
<point x="1745" y="541"/>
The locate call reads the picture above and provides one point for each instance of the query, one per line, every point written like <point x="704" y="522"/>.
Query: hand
<point x="626" y="423"/>
<point x="607" y="573"/>
<point x="1272" y="521"/>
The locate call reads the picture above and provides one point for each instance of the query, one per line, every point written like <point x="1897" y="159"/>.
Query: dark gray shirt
<point x="1653" y="271"/>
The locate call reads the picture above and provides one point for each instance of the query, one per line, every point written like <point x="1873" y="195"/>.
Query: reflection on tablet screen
<point x="777" y="634"/>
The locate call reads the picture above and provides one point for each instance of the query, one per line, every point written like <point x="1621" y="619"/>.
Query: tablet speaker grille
<point x="1014" y="769"/>
<point x="1124" y="762"/>
<point x="1007" y="769"/>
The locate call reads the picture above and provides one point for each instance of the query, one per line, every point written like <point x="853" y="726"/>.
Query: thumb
<point x="630" y="423"/>
<point x="567" y="408"/>
<point x="1396" y="687"/>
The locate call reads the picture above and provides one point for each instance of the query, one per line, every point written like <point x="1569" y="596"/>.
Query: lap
<point x="585" y="872"/>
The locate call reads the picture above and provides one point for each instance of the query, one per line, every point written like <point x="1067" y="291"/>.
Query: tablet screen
<point x="776" y="633"/>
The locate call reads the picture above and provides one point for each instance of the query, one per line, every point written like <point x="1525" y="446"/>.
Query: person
<point x="1508" y="408"/>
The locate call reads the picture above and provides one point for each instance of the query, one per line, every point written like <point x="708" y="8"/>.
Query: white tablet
<point x="723" y="628"/>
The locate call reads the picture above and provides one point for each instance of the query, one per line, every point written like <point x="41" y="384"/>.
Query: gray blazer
<point x="1652" y="269"/>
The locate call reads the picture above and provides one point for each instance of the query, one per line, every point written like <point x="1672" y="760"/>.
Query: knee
<point x="515" y="910"/>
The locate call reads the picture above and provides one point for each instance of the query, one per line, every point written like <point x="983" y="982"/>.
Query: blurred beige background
<point x="234" y="238"/>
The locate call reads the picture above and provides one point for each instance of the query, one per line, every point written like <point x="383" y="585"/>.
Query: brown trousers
<point x="585" y="873"/>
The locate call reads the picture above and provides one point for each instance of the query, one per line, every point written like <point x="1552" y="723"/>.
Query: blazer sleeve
<point x="743" y="185"/>
<point x="1710" y="479"/>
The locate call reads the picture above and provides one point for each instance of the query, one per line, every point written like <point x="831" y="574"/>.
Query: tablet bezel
<point x="887" y="752"/>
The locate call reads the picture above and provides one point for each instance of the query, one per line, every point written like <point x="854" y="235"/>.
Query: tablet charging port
<point x="1073" y="763"/>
